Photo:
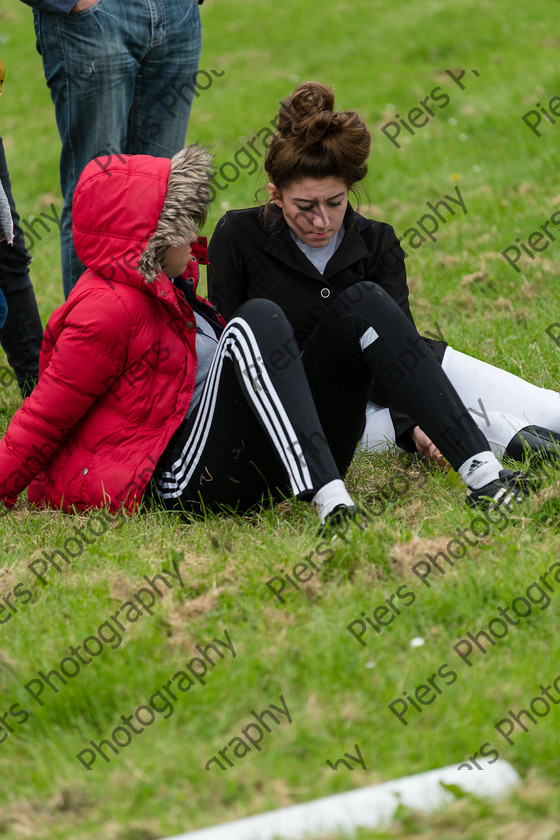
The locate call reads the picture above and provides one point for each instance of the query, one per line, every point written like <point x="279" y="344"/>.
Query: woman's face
<point x="313" y="207"/>
<point x="176" y="260"/>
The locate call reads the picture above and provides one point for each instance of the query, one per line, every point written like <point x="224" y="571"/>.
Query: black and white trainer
<point x="339" y="520"/>
<point x="510" y="488"/>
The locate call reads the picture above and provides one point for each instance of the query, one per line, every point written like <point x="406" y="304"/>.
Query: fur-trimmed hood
<point x="128" y="209"/>
<point x="184" y="209"/>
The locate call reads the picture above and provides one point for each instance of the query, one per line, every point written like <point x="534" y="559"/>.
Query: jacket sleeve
<point x="61" y="6"/>
<point x="88" y="355"/>
<point x="226" y="270"/>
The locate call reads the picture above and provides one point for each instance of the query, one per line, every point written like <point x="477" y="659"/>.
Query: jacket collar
<point x="280" y="244"/>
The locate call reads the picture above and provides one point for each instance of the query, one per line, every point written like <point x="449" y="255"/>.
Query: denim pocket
<point x="88" y="11"/>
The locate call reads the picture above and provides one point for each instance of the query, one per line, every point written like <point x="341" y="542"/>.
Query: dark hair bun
<point x="313" y="140"/>
<point x="308" y="113"/>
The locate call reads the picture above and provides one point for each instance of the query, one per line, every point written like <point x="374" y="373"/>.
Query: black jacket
<point x="252" y="257"/>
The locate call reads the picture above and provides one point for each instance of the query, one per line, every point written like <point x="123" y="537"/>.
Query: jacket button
<point x="85" y="471"/>
<point x="164" y="294"/>
<point x="190" y="325"/>
<point x="325" y="293"/>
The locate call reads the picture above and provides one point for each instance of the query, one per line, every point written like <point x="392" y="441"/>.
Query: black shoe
<point x="339" y="521"/>
<point x="503" y="491"/>
<point x="534" y="442"/>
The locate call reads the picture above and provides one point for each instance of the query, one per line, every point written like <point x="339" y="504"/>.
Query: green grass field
<point x="382" y="58"/>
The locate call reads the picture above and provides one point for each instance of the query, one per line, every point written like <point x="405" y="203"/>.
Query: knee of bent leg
<point x="261" y="310"/>
<point x="355" y="297"/>
<point x="267" y="322"/>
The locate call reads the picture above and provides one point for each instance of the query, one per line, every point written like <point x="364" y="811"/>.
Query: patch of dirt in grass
<point x="404" y="555"/>
<point x="477" y="278"/>
<point x="178" y="613"/>
<point x="33" y="819"/>
<point x="122" y="589"/>
<point x="9" y="576"/>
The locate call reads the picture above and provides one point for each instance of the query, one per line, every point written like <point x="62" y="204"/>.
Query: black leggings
<point x="272" y="424"/>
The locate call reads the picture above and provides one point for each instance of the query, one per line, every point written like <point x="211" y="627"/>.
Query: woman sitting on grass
<point x="139" y="382"/>
<point x="308" y="246"/>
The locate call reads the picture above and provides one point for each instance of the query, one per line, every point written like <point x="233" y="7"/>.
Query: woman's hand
<point x="425" y="446"/>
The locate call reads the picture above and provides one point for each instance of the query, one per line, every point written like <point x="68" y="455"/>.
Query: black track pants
<point x="365" y="335"/>
<point x="255" y="431"/>
<point x="268" y="425"/>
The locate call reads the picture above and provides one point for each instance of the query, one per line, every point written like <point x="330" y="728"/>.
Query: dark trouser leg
<point x="22" y="333"/>
<point x="365" y="335"/>
<point x="127" y="72"/>
<point x="255" y="431"/>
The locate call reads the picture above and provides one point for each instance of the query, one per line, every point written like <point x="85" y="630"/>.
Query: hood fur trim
<point x="184" y="209"/>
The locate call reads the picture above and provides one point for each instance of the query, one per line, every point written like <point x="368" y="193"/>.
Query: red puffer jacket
<point x="118" y="361"/>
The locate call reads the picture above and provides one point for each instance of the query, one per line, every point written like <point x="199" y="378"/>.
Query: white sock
<point x="480" y="469"/>
<point x="329" y="496"/>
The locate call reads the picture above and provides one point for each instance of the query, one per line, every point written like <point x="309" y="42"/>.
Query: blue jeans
<point x="22" y="333"/>
<point x="122" y="77"/>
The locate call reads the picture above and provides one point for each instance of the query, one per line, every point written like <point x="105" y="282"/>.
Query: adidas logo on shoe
<point x="338" y="521"/>
<point x="511" y="487"/>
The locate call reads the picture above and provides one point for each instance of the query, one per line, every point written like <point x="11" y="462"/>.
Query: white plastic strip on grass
<point x="365" y="807"/>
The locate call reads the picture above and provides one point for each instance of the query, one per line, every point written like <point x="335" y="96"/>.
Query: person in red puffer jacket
<point x="124" y="362"/>
<point x="140" y="382"/>
<point x="117" y="367"/>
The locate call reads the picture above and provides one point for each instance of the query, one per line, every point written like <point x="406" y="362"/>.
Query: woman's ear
<point x="274" y="194"/>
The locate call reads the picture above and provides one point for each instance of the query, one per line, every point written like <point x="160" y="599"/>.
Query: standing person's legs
<point x="166" y="83"/>
<point x="108" y="69"/>
<point x="91" y="70"/>
<point x="255" y="432"/>
<point x="22" y="333"/>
